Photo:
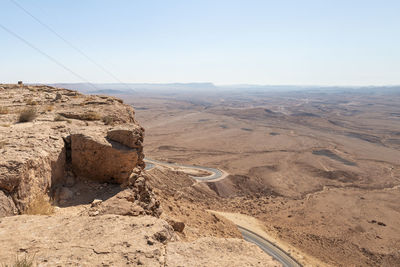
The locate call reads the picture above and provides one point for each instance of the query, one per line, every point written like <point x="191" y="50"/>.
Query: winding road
<point x="216" y="175"/>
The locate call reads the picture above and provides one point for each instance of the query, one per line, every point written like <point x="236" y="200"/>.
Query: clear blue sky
<point x="319" y="42"/>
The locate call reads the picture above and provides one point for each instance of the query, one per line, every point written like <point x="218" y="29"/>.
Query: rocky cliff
<point x="73" y="190"/>
<point x="53" y="138"/>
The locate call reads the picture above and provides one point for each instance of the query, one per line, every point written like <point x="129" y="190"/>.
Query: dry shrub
<point x="49" y="108"/>
<point x="31" y="102"/>
<point x="108" y="120"/>
<point x="40" y="206"/>
<point x="24" y="262"/>
<point x="5" y="125"/>
<point x="28" y="114"/>
<point x="3" y="110"/>
<point x="91" y="116"/>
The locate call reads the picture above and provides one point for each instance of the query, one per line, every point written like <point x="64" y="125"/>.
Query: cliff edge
<point x="73" y="190"/>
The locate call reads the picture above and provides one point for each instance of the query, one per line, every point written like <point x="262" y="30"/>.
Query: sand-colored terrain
<point x="320" y="170"/>
<point x="256" y="226"/>
<point x="74" y="192"/>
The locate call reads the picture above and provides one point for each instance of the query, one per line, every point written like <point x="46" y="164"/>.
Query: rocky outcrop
<point x="72" y="138"/>
<point x="108" y="240"/>
<point x="112" y="240"/>
<point x="101" y="159"/>
<point x="26" y="170"/>
<point x="176" y="225"/>
<point x="133" y="201"/>
<point x="86" y="154"/>
<point x="7" y="206"/>
<point x="131" y="137"/>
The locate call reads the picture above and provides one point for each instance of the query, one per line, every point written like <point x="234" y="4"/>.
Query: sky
<point x="285" y="42"/>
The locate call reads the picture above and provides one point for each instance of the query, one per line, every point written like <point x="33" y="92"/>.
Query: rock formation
<point x="72" y="137"/>
<point x="112" y="240"/>
<point x="78" y="161"/>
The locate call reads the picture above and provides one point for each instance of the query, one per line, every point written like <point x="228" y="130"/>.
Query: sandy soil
<point x="319" y="170"/>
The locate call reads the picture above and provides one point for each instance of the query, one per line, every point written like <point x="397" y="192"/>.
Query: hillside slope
<point x="73" y="190"/>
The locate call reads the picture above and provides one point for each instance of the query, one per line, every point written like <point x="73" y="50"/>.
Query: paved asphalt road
<point x="216" y="174"/>
<point x="248" y="235"/>
<point x="269" y="248"/>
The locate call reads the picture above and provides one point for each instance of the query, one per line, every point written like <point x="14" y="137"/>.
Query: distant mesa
<point x="131" y="88"/>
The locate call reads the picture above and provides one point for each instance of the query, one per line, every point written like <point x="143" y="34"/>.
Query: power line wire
<point x="46" y="55"/>
<point x="68" y="43"/>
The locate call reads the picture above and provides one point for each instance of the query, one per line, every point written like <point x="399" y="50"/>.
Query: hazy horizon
<point x="204" y="83"/>
<point x="322" y="43"/>
<point x="209" y="88"/>
<point x="233" y="84"/>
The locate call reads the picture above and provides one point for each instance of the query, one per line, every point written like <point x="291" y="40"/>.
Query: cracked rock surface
<point x="71" y="137"/>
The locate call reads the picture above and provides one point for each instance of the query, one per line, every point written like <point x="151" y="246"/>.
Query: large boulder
<point x="102" y="160"/>
<point x="128" y="135"/>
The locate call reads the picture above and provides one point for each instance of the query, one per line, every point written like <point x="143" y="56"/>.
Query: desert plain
<point x="319" y="167"/>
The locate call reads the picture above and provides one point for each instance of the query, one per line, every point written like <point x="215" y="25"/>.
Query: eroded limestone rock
<point x="132" y="201"/>
<point x="128" y="135"/>
<point x="7" y="206"/>
<point x="107" y="240"/>
<point x="102" y="160"/>
<point x="176" y="224"/>
<point x="39" y="156"/>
